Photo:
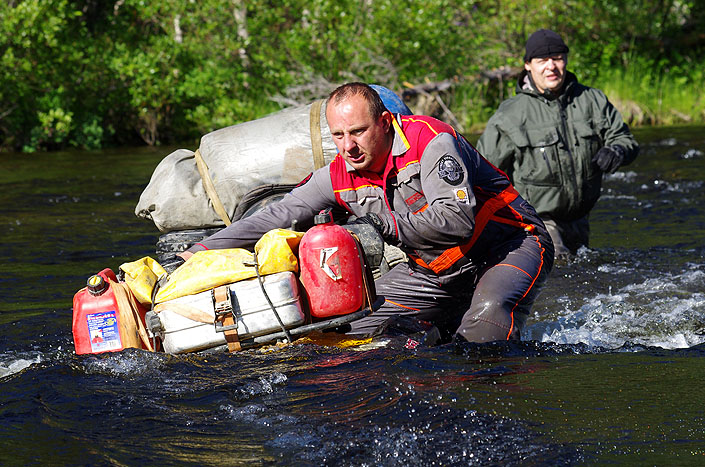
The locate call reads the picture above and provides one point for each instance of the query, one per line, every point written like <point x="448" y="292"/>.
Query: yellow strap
<point x="210" y="188"/>
<point x="130" y="319"/>
<point x="187" y="311"/>
<point x="231" y="336"/>
<point x="316" y="139"/>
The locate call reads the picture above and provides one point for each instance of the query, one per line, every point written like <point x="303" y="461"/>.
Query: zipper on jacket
<point x="568" y="144"/>
<point x="385" y="186"/>
<point x="542" y="150"/>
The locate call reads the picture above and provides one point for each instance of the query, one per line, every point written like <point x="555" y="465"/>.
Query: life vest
<point x="496" y="200"/>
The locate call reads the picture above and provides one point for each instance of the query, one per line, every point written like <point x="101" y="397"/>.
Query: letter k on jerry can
<point x="331" y="269"/>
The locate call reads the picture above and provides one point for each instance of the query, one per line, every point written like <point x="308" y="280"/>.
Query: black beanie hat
<point x="544" y="43"/>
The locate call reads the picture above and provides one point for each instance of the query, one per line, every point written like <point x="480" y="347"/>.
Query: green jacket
<point x="546" y="145"/>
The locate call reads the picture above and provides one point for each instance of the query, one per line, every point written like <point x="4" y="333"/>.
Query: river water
<point x="611" y="369"/>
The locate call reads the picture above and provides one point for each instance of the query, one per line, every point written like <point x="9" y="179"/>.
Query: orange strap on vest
<point x="452" y="255"/>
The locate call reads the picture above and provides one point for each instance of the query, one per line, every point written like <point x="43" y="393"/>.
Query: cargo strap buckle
<point x="222" y="307"/>
<point x="225" y="321"/>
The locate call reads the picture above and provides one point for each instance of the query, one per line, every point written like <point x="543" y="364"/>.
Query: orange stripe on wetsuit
<point x="533" y="281"/>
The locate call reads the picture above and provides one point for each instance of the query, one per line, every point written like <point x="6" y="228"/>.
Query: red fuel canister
<point x="97" y="325"/>
<point x="331" y="269"/>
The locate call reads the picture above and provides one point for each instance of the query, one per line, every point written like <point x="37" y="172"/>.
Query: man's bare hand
<point x="185" y="255"/>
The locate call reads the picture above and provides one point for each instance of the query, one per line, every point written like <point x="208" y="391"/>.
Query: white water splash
<point x="12" y="364"/>
<point x="691" y="153"/>
<point x="628" y="176"/>
<point x="126" y="363"/>
<point x="664" y="312"/>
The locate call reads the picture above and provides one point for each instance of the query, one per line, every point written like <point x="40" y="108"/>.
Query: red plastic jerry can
<point x="96" y="317"/>
<point x="331" y="269"/>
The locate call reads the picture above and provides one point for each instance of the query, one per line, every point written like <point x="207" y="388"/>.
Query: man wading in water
<point x="555" y="139"/>
<point x="478" y="252"/>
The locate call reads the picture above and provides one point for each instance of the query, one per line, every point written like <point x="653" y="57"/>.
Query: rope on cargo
<point x="157" y="285"/>
<point x="276" y="314"/>
<point x="210" y="188"/>
<point x="316" y="138"/>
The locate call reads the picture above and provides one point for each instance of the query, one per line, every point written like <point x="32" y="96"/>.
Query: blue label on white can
<point x="103" y="331"/>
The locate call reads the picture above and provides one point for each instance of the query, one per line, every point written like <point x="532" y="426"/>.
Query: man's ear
<point x="527" y="66"/>
<point x="387" y="117"/>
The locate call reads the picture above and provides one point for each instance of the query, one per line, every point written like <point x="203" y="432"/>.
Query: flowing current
<point x="608" y="371"/>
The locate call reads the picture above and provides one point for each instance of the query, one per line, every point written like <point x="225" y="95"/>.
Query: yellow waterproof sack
<point x="140" y="277"/>
<point x="277" y="251"/>
<point x="205" y="270"/>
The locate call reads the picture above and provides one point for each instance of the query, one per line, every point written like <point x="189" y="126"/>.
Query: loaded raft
<point x="291" y="285"/>
<point x="235" y="299"/>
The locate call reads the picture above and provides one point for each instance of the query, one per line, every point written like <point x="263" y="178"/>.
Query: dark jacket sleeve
<point x="495" y="146"/>
<point x="617" y="132"/>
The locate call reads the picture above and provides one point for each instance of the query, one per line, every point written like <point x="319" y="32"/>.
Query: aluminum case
<point x="252" y="313"/>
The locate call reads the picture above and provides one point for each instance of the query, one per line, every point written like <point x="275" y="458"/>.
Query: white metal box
<point x="188" y="321"/>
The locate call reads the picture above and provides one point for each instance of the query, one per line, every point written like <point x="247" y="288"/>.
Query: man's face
<point x="548" y="73"/>
<point x="363" y="142"/>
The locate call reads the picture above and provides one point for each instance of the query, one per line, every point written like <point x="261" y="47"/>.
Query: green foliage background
<point x="92" y="73"/>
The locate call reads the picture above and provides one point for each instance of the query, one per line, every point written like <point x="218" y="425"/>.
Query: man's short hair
<point x="544" y="43"/>
<point x="374" y="102"/>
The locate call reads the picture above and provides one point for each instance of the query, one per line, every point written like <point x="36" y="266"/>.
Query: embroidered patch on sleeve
<point x="461" y="195"/>
<point x="413" y="198"/>
<point x="449" y="170"/>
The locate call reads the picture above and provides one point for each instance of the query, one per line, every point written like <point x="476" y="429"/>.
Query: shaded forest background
<point x="92" y="73"/>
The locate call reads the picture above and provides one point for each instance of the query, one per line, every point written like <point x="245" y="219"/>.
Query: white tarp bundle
<point x="273" y="150"/>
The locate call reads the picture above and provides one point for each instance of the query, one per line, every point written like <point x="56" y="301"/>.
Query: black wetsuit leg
<point x="506" y="290"/>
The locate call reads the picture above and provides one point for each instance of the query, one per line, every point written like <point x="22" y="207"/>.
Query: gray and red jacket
<point x="440" y="201"/>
